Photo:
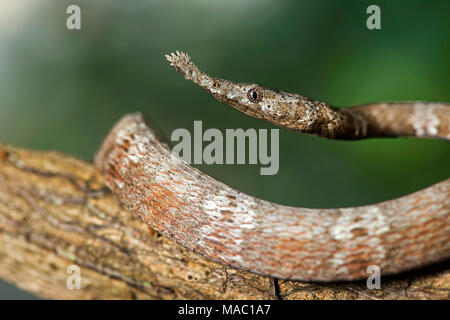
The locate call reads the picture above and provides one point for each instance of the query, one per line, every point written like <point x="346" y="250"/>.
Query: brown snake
<point x="239" y="230"/>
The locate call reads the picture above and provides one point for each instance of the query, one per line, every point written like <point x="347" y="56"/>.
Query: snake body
<point x="300" y="113"/>
<point x="239" y="230"/>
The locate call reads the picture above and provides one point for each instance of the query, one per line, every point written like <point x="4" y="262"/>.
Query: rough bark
<point x="55" y="211"/>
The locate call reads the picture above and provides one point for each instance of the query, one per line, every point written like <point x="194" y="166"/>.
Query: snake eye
<point x="255" y="95"/>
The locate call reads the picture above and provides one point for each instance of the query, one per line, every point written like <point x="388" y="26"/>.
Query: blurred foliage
<point x="63" y="90"/>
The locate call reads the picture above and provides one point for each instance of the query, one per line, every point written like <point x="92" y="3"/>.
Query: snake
<point x="292" y="243"/>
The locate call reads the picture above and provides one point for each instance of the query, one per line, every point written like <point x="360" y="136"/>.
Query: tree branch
<point x="55" y="211"/>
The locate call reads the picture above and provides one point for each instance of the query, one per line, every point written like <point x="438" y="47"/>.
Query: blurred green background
<point x="64" y="89"/>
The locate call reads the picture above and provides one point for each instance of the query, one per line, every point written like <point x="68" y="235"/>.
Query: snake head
<point x="250" y="98"/>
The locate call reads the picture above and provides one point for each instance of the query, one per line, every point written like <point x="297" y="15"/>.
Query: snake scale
<point x="285" y="242"/>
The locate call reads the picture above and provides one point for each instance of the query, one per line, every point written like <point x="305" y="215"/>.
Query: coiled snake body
<point x="239" y="230"/>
